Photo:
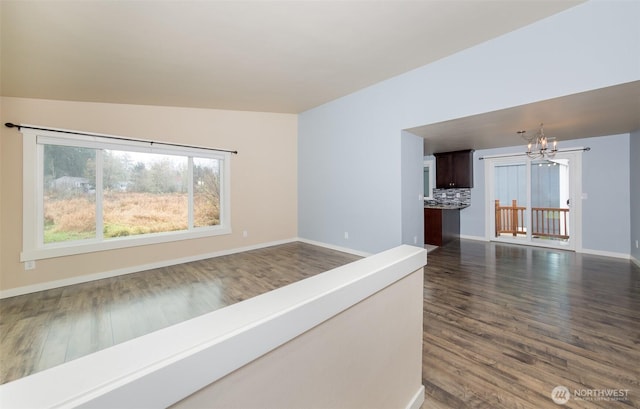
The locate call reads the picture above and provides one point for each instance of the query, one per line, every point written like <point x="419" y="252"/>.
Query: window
<point x="84" y="193"/>
<point x="429" y="179"/>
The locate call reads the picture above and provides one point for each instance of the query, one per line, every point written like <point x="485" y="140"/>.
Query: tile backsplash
<point x="451" y="197"/>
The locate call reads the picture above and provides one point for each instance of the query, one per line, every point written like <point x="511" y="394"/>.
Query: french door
<point x="535" y="201"/>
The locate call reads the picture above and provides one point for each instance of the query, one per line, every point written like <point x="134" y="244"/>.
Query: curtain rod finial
<point x="10" y="125"/>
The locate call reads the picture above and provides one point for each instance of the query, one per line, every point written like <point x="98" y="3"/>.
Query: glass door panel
<point x="550" y="218"/>
<point x="510" y="201"/>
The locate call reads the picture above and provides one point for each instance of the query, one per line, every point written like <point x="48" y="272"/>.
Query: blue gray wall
<point x="634" y="189"/>
<point x="412" y="189"/>
<point x="350" y="161"/>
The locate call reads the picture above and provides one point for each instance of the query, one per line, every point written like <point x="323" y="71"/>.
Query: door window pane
<point x="550" y="199"/>
<point x="510" y="200"/>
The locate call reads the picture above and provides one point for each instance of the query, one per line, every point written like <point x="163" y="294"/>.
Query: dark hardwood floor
<point x="45" y="329"/>
<point x="504" y="325"/>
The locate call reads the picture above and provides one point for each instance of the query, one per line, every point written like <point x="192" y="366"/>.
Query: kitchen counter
<point x="446" y="206"/>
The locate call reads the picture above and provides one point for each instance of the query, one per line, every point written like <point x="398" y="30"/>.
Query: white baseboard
<point x="635" y="261"/>
<point x="606" y="253"/>
<point x="418" y="399"/>
<point x="477" y="238"/>
<point x="133" y="269"/>
<point x="583" y="250"/>
<point x="333" y="247"/>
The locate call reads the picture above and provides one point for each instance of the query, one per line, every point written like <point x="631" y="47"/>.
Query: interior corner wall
<point x="263" y="180"/>
<point x="349" y="150"/>
<point x="634" y="190"/>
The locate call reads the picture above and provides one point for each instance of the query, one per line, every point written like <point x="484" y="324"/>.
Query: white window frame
<point x="33" y="246"/>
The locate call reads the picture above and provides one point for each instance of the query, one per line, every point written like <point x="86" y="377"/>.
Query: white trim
<point x="31" y="208"/>
<point x="337" y="248"/>
<point x="209" y="347"/>
<point x="575" y="189"/>
<point x="477" y="238"/>
<point x="88" y="246"/>
<point x="132" y="269"/>
<point x="418" y="399"/>
<point x="606" y="253"/>
<point x="99" y="199"/>
<point x="540" y="244"/>
<point x="583" y="251"/>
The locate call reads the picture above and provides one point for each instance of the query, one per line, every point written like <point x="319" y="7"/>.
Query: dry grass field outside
<point x="125" y="214"/>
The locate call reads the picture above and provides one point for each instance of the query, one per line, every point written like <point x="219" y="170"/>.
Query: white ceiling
<point x="273" y="56"/>
<point x="606" y="111"/>
<point x="277" y="56"/>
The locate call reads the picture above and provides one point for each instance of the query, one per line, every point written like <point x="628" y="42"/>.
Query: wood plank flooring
<point x="504" y="325"/>
<point x="45" y="329"/>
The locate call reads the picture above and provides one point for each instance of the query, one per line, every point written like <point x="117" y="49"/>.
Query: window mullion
<point x="190" y="223"/>
<point x="40" y="195"/>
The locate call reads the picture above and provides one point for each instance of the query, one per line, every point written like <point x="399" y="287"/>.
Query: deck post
<point x="514" y="217"/>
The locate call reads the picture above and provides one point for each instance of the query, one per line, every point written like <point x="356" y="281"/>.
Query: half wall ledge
<point x="350" y="337"/>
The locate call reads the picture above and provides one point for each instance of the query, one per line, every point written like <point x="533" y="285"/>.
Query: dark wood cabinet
<point x="441" y="226"/>
<point x="454" y="169"/>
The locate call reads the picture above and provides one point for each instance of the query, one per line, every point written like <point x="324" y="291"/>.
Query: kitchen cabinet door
<point x="454" y="169"/>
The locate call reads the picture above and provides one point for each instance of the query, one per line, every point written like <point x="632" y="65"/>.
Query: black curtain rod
<point x="11" y="125"/>
<point x="524" y="154"/>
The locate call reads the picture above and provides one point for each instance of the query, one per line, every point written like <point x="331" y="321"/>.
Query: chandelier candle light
<point x="541" y="145"/>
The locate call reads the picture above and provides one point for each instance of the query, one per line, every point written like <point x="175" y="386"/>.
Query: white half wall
<point x="348" y="338"/>
<point x="365" y="357"/>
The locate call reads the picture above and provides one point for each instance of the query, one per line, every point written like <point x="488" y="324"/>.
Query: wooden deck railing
<point x="510" y="219"/>
<point x="549" y="222"/>
<point x="545" y="221"/>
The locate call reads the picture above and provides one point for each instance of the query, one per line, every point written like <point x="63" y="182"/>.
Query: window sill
<point x="90" y="246"/>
